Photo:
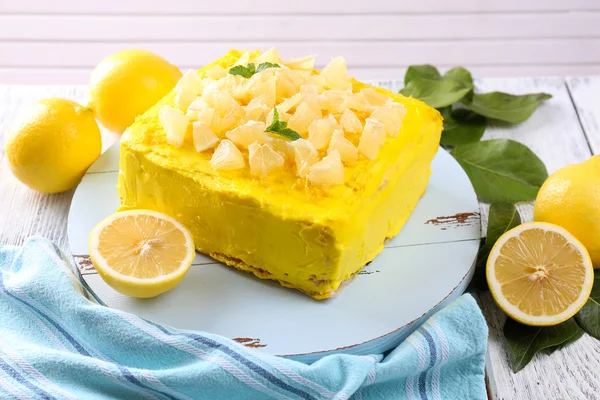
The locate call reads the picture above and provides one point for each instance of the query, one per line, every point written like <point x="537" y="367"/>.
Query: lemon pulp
<point x="539" y="274"/>
<point x="141" y="253"/>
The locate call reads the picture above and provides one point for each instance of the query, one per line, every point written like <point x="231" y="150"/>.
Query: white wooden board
<point x="569" y="374"/>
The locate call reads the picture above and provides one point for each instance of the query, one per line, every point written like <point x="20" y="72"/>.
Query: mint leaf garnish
<point x="250" y="69"/>
<point x="266" y="65"/>
<point x="246" y="71"/>
<point x="280" y="127"/>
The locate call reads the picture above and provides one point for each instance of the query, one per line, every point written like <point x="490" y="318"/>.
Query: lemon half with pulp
<point x="141" y="253"/>
<point x="539" y="274"/>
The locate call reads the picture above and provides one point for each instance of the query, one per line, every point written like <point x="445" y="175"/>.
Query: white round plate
<point x="421" y="269"/>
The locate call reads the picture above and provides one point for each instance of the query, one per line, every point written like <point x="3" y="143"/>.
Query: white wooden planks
<point x="297" y="7"/>
<point x="70" y="75"/>
<point x="235" y="28"/>
<point x="357" y="53"/>
<point x="585" y="92"/>
<point x="59" y="42"/>
<point x="555" y="135"/>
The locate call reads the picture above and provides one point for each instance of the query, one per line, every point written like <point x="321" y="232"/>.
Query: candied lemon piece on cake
<point x="372" y="138"/>
<point x="320" y="131"/>
<point x="336" y="75"/>
<point x="303" y="117"/>
<point x="334" y="101"/>
<point x="328" y="171"/>
<point x="348" y="152"/>
<point x="350" y="122"/>
<point x="263" y="159"/>
<point x="390" y="115"/>
<point x="305" y="156"/>
<point x="250" y="132"/>
<point x="305" y="63"/>
<point x="175" y="124"/>
<point x="203" y="137"/>
<point x="227" y="156"/>
<point x="190" y="82"/>
<point x="184" y="99"/>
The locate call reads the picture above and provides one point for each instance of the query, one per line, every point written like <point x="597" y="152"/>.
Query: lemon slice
<point x="141" y="253"/>
<point x="539" y="274"/>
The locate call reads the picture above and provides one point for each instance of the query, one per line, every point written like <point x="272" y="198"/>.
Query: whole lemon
<point x="127" y="83"/>
<point x="52" y="143"/>
<point x="570" y="197"/>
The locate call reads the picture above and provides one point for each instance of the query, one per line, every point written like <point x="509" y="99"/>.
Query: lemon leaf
<point x="426" y="71"/>
<point x="572" y="339"/>
<point x="280" y="127"/>
<point x="505" y="107"/>
<point x="501" y="170"/>
<point x="525" y="341"/>
<point x="460" y="74"/>
<point x="461" y="126"/>
<point x="436" y="93"/>
<point x="425" y="83"/>
<point x="502" y="217"/>
<point x="589" y="316"/>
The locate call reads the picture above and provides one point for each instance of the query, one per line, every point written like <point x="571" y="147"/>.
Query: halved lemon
<point x="539" y="274"/>
<point x="141" y="253"/>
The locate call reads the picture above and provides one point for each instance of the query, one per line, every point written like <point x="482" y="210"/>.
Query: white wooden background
<point x="59" y="41"/>
<point x="564" y="130"/>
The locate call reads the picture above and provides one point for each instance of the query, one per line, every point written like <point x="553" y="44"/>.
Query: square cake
<point x="281" y="170"/>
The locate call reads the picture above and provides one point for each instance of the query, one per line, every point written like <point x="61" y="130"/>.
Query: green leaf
<point x="460" y="74"/>
<point x="479" y="281"/>
<point x="436" y="93"/>
<point x="289" y="133"/>
<point x="525" y="341"/>
<point x="250" y="69"/>
<point x="266" y="65"/>
<point x="425" y="71"/>
<point x="246" y="71"/>
<point x="280" y="127"/>
<point x="501" y="170"/>
<point x="504" y="106"/>
<point x="589" y="316"/>
<point x="502" y="218"/>
<point x="572" y="339"/>
<point x="461" y="126"/>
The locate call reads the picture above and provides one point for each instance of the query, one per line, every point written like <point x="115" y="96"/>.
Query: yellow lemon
<point x="141" y="253"/>
<point x="570" y="197"/>
<point x="126" y="84"/>
<point x="51" y="145"/>
<point x="539" y="274"/>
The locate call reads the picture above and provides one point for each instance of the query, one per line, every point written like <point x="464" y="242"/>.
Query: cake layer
<point x="308" y="237"/>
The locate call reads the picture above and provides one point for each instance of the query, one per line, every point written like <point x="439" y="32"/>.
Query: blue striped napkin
<point x="55" y="343"/>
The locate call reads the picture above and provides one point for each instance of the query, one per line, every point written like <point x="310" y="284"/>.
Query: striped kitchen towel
<point x="55" y="343"/>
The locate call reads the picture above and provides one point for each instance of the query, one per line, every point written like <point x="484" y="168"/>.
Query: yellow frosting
<point x="306" y="237"/>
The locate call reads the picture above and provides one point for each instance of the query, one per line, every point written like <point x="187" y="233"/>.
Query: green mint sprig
<point x="249" y="70"/>
<point x="280" y="127"/>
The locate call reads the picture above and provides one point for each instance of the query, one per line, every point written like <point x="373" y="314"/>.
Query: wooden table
<point x="564" y="130"/>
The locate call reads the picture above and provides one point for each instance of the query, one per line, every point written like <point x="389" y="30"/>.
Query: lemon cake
<point x="281" y="170"/>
